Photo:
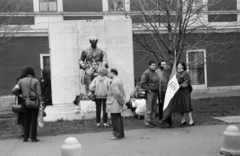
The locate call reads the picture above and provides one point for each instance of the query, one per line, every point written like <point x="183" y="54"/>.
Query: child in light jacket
<point x="99" y="88"/>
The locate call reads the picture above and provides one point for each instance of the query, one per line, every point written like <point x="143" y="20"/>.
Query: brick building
<point x="30" y="45"/>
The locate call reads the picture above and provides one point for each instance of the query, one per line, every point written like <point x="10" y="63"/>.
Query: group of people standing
<point x="151" y="90"/>
<point x="108" y="90"/>
<point x="154" y="83"/>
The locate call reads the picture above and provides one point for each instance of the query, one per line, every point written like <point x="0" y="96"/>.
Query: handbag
<point x="17" y="108"/>
<point x="40" y="118"/>
<point x="30" y="103"/>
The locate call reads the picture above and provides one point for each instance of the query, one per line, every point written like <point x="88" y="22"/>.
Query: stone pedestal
<point x="61" y="112"/>
<point x="85" y="111"/>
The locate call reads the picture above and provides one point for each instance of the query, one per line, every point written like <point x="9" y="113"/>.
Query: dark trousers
<point x="169" y="119"/>
<point x="151" y="106"/>
<point x="30" y="115"/>
<point x="101" y="103"/>
<point x="117" y="124"/>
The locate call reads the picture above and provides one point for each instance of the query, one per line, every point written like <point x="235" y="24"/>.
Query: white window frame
<point x="59" y="6"/>
<point x="41" y="60"/>
<point x="106" y="8"/>
<point x="203" y="86"/>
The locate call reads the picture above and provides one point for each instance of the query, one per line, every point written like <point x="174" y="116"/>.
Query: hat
<point x="103" y="71"/>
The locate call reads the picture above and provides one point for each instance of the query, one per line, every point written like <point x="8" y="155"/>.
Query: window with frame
<point x="47" y="5"/>
<point x="116" y="5"/>
<point x="153" y="11"/>
<point x="197" y="66"/>
<point x="45" y="62"/>
<point x="151" y="5"/>
<point x="222" y="9"/>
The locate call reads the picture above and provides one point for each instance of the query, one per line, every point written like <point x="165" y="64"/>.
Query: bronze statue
<point x="90" y="58"/>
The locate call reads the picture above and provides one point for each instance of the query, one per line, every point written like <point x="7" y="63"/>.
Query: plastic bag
<point x="40" y="118"/>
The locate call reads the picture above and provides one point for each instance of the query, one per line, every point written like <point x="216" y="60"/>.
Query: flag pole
<point x="170" y="100"/>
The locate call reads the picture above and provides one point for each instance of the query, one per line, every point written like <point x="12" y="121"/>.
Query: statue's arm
<point x="104" y="59"/>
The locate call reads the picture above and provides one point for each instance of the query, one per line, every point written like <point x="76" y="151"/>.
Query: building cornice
<point x="44" y="32"/>
<point x="118" y="12"/>
<point x="165" y="31"/>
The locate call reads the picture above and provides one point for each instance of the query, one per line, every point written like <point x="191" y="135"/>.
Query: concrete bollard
<point x="231" y="142"/>
<point x="71" y="147"/>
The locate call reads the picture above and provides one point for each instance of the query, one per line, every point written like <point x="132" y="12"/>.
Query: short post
<point x="71" y="147"/>
<point x="231" y="142"/>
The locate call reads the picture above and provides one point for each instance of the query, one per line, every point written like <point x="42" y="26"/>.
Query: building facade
<point x="30" y="45"/>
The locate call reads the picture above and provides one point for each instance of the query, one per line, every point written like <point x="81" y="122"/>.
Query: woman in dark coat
<point x="20" y="119"/>
<point x="30" y="86"/>
<point x="185" y="105"/>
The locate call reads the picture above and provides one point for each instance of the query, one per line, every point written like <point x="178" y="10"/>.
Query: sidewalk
<point x="187" y="141"/>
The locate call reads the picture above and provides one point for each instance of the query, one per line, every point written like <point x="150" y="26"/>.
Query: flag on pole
<point x="171" y="95"/>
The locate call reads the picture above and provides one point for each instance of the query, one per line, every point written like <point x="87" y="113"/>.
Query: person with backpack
<point x="99" y="88"/>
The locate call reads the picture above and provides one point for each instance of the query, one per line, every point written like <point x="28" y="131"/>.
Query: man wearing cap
<point x="90" y="55"/>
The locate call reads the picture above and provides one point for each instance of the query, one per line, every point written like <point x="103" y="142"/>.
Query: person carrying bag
<point x="40" y="119"/>
<point x="31" y="103"/>
<point x="32" y="98"/>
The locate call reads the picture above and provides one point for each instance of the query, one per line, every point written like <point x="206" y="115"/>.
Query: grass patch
<point x="203" y="113"/>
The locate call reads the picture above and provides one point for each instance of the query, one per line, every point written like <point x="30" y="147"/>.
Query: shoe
<point x="169" y="125"/>
<point x="35" y="140"/>
<point x="183" y="124"/>
<point x="98" y="125"/>
<point x="115" y="138"/>
<point x="192" y="124"/>
<point x="149" y="125"/>
<point x="105" y="125"/>
<point x="25" y="140"/>
<point x="163" y="124"/>
<point x="153" y="123"/>
<point x="22" y="135"/>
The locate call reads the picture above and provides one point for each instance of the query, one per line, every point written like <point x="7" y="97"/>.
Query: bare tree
<point x="179" y="25"/>
<point x="13" y="18"/>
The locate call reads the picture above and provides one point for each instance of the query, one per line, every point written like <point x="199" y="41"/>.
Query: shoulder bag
<point x="30" y="103"/>
<point x="17" y="108"/>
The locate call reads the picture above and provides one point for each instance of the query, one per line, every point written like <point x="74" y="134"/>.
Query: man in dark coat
<point x="150" y="83"/>
<point x="164" y="73"/>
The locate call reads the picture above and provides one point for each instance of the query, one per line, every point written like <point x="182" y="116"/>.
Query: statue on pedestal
<point x="91" y="59"/>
